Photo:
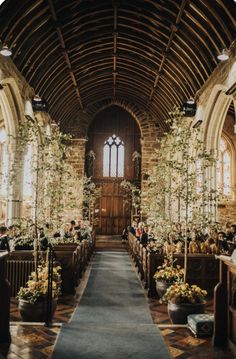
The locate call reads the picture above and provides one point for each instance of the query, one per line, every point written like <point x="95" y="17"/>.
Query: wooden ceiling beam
<point x="65" y="53"/>
<point x="174" y="29"/>
<point x="115" y="36"/>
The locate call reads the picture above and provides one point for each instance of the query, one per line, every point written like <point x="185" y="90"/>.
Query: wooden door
<point x="112" y="213"/>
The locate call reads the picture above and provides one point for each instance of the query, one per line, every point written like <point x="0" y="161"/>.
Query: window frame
<point x="114" y="142"/>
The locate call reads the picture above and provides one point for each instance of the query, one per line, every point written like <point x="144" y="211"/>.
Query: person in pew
<point x="72" y="228"/>
<point x="144" y="239"/>
<point x="231" y="234"/>
<point x="139" y="231"/>
<point x="43" y="241"/>
<point x="4" y="239"/>
<point x="124" y="235"/>
<point x="85" y="231"/>
<point x="132" y="228"/>
<point x="222" y="243"/>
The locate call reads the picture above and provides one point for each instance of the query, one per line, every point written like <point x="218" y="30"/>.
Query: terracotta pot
<point x="35" y="312"/>
<point x="178" y="313"/>
<point x="161" y="287"/>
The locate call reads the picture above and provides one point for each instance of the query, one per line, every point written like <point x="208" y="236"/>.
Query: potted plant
<point x="33" y="297"/>
<point x="166" y="275"/>
<point x="184" y="300"/>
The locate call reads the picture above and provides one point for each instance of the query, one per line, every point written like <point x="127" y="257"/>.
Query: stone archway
<point x="215" y="115"/>
<point x="12" y="108"/>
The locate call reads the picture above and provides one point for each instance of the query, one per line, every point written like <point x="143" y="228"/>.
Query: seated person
<point x="124" y="235"/>
<point x="133" y="227"/>
<point x="139" y="231"/>
<point x="43" y="241"/>
<point x="4" y="239"/>
<point x="72" y="227"/>
<point x="144" y="239"/>
<point x="222" y="242"/>
<point x="85" y="230"/>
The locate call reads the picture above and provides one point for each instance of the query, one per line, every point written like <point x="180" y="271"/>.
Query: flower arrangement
<point x="155" y="246"/>
<point x="37" y="290"/>
<point x="64" y="240"/>
<point x="168" y="273"/>
<point x="184" y="293"/>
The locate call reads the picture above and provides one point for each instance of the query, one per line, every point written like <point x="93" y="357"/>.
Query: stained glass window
<point x="223" y="172"/>
<point x="113" y="157"/>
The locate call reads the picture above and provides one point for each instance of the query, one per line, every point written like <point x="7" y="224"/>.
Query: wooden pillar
<point x="221" y="308"/>
<point x="5" y="336"/>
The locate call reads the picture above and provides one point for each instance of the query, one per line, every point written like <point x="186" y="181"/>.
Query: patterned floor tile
<point x="37" y="342"/>
<point x="175" y="352"/>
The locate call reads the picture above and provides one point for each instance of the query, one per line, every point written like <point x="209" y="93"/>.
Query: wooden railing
<point x="72" y="258"/>
<point x="5" y="336"/>
<point x="225" y="305"/>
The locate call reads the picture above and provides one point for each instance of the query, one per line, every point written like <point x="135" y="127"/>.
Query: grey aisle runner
<point x="112" y="320"/>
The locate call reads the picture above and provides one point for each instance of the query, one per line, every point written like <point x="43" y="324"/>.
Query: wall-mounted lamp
<point x="39" y="104"/>
<point x="224" y="55"/>
<point x="5" y="51"/>
<point x="190" y="101"/>
<point x="189" y="108"/>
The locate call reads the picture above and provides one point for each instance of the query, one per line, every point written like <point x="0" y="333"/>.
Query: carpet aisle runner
<point x="112" y="320"/>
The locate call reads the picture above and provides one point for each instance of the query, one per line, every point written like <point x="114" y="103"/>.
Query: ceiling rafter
<point x="115" y="37"/>
<point x="65" y="52"/>
<point x="174" y="29"/>
<point x="152" y="53"/>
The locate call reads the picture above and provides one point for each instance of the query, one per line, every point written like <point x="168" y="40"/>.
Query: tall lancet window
<point x="224" y="168"/>
<point x="113" y="157"/>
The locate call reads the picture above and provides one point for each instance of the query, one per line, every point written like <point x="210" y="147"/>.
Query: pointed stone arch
<point x="146" y="122"/>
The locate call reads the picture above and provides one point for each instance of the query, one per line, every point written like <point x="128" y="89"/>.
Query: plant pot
<point x="161" y="287"/>
<point x="178" y="313"/>
<point x="35" y="312"/>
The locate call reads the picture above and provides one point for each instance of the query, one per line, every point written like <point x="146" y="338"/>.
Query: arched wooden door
<point x="113" y="137"/>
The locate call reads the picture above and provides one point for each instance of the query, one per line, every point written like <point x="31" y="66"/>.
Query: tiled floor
<point x="37" y="341"/>
<point x="181" y="342"/>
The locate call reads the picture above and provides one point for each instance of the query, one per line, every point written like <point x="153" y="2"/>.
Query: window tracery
<point x="113" y="157"/>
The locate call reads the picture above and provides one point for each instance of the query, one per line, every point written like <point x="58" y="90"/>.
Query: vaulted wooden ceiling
<point x="153" y="53"/>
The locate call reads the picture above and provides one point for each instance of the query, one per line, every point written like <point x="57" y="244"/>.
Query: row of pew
<point x="202" y="269"/>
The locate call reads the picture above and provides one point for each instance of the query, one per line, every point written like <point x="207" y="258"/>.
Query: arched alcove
<point x="219" y="127"/>
<point x="10" y="111"/>
<point x="111" y="156"/>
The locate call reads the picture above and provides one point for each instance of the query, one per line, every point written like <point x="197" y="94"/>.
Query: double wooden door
<point x="112" y="212"/>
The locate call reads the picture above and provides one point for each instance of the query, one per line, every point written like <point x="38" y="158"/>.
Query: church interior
<point x="117" y="179"/>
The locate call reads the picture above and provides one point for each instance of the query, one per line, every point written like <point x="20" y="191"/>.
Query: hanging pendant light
<point x="224" y="55"/>
<point x="5" y="51"/>
<point x="39" y="104"/>
<point x="189" y="107"/>
<point x="190" y="101"/>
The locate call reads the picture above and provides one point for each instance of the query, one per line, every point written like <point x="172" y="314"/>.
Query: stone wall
<point x="76" y="159"/>
<point x="226" y="212"/>
<point x="78" y="155"/>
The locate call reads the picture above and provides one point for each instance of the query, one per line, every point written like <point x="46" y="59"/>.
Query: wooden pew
<point x="225" y="305"/>
<point x="5" y="336"/>
<point x="203" y="269"/>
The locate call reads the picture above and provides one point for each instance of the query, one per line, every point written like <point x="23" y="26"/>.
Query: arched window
<point x="224" y="168"/>
<point x="113" y="157"/>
